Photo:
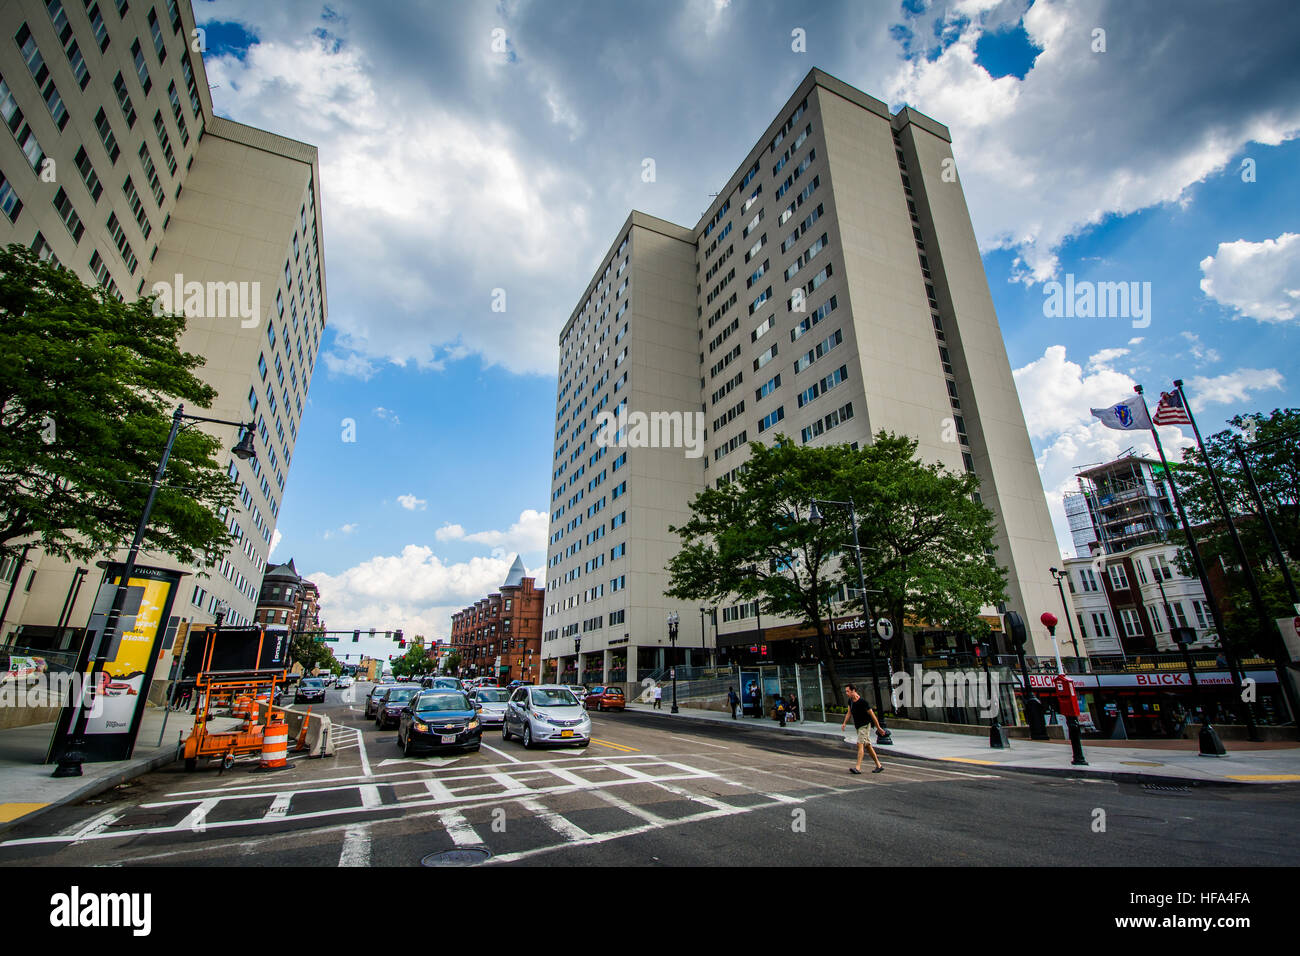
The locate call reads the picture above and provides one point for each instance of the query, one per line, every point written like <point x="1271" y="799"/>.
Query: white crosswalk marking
<point x="279" y="807"/>
<point x="370" y="796"/>
<point x="458" y="828"/>
<point x="639" y="812"/>
<point x="356" y="846"/>
<point x="196" y="818"/>
<point x="98" y="824"/>
<point x="562" y="826"/>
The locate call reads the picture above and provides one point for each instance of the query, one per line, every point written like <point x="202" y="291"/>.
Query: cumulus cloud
<point x="388" y="415"/>
<point x="275" y="542"/>
<point x="341" y="531"/>
<point x="412" y="503"/>
<point x="1046" y="157"/>
<point x="525" y="536"/>
<point x="1257" y="280"/>
<point x="1202" y="353"/>
<point x="1056" y="395"/>
<point x="414" y="590"/>
<point x="1233" y="387"/>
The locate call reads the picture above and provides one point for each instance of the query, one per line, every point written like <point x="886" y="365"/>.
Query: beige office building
<point x="833" y="289"/>
<point x="114" y="165"/>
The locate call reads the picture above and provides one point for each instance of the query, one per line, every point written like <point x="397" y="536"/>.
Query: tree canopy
<point x="1272" y="444"/>
<point x="926" y="542"/>
<point x="87" y="388"/>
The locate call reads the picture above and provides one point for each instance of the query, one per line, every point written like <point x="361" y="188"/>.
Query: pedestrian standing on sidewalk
<point x="792" y="707"/>
<point x="659" y="697"/>
<point x="733" y="700"/>
<point x="863" y="719"/>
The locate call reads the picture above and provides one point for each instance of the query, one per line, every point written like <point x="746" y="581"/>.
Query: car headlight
<point x="422" y="728"/>
<point x="472" y="724"/>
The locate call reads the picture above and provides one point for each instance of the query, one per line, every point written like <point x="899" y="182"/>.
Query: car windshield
<point x="614" y="690"/>
<point x="447" y="682"/>
<point x="311" y="682"/>
<point x="399" y="694"/>
<point x="491" y="695"/>
<point x="442" y="702"/>
<point x="598" y="690"/>
<point x="553" y="697"/>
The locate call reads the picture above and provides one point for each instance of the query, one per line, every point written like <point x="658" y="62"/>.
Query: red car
<point x="605" y="698"/>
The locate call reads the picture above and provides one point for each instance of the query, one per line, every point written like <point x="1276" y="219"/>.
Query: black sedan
<point x="391" y="702"/>
<point x="439" y="720"/>
<point x="310" y="690"/>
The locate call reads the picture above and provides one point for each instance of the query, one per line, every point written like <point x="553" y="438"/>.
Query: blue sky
<point x="451" y="169"/>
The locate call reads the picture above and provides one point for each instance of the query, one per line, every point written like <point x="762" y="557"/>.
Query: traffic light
<point x="1016" y="628"/>
<point x="401" y="643"/>
<point x="398" y="635"/>
<point x="978" y="650"/>
<point x="356" y="636"/>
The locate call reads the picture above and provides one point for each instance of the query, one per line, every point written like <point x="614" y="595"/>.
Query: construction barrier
<point x="314" y="730"/>
<point x="243" y="707"/>
<point x="275" y="743"/>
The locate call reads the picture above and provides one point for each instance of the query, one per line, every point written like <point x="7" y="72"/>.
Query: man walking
<point x="733" y="700"/>
<point x="864" y="716"/>
<point x="659" y="697"/>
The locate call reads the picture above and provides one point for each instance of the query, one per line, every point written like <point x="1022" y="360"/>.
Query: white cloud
<point x="525" y="536"/>
<point x="355" y="366"/>
<point x="1232" y="387"/>
<point x="342" y="531"/>
<point x="1056" y="395"/>
<point x="415" y="590"/>
<point x="387" y="414"/>
<point x="412" y="503"/>
<point x="1085" y="135"/>
<point x="449" y="532"/>
<point x="1258" y="280"/>
<point x="275" y="542"/>
<point x="1203" y="354"/>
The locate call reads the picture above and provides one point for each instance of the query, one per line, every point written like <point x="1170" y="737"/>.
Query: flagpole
<point x="1211" y="745"/>
<point x="1252" y="585"/>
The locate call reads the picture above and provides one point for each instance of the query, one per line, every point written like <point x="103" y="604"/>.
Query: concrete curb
<point x="135" y="768"/>
<point x="1119" y="776"/>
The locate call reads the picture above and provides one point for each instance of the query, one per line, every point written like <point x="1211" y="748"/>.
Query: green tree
<point x="87" y="387"/>
<point x="412" y="663"/>
<point x="926" y="543"/>
<point x="1275" y="464"/>
<point x="311" y="653"/>
<point x="927" y="539"/>
<point x="451" y="663"/>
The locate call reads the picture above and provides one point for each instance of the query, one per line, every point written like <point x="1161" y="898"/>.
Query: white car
<point x="548" y="714"/>
<point x="344" y="681"/>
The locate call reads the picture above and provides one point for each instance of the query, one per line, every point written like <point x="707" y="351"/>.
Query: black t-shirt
<point x="860" y="711"/>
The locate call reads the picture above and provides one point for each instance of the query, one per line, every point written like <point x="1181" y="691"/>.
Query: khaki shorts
<point x="864" y="734"/>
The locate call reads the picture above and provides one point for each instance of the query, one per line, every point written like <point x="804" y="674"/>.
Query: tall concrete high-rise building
<point x="114" y="165"/>
<point x="834" y="288"/>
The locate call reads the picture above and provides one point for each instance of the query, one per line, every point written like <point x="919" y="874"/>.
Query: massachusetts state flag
<point x="1128" y="415"/>
<point x="1170" y="411"/>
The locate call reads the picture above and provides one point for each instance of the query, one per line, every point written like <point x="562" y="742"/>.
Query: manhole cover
<point x="465" y="856"/>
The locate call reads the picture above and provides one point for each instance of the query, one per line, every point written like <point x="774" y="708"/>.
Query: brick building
<point x="286" y="598"/>
<point x="507" y="624"/>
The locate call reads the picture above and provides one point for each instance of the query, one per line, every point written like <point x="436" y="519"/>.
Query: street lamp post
<point x="69" y="763"/>
<point x="672" y="638"/>
<point x="1060" y="576"/>
<point x="815" y="516"/>
<point x="1211" y="745"/>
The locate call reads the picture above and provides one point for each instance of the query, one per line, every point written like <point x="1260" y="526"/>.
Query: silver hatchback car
<point x="549" y="714"/>
<point x="492" y="703"/>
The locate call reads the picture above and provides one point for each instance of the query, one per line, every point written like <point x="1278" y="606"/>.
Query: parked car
<point x="310" y="690"/>
<point x="442" y="683"/>
<point x="492" y="702"/>
<point x="388" y="709"/>
<point x="438" y="719"/>
<point x="605" y="698"/>
<point x="372" y="699"/>
<point x="579" y="691"/>
<point x="548" y="714"/>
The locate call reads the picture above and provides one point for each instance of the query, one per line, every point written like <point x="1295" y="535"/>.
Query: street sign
<point x="885" y="628"/>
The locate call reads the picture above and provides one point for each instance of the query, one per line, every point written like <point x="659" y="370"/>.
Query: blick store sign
<point x="1172" y="679"/>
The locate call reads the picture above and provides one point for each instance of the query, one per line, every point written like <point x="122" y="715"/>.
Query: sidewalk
<point x="1162" y="761"/>
<point x="27" y="788"/>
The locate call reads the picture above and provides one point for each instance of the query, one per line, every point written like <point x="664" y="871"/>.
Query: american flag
<point x="1170" y="411"/>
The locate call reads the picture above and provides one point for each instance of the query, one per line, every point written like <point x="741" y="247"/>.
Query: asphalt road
<point x="648" y="792"/>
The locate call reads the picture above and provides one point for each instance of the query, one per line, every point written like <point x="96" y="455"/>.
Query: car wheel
<point x="528" y="736"/>
<point x="505" y="730"/>
<point x="406" y="747"/>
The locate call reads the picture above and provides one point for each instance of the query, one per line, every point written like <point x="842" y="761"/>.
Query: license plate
<point x="566" y="733"/>
<point x="448" y="739"/>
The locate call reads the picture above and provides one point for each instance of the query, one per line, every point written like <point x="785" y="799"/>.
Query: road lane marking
<point x="564" y="827"/>
<point x="365" y="759"/>
<point x="630" y="808"/>
<point x="279" y="807"/>
<point x="196" y="818"/>
<point x="606" y="743"/>
<point x="370" y="796"/>
<point x="502" y="753"/>
<point x="94" y="825"/>
<point x="459" y="829"/>
<point x="1266" y="776"/>
<point x="356" y="846"/>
